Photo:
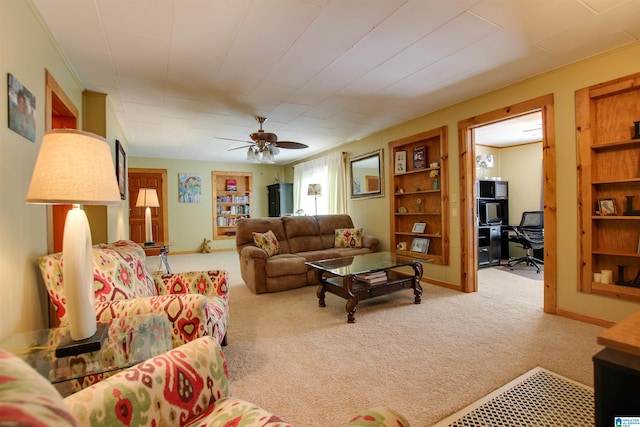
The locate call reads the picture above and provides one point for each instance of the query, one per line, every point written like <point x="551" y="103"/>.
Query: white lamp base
<point x="148" y="227"/>
<point x="77" y="271"/>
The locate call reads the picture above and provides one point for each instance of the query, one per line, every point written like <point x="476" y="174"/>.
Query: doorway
<point x="469" y="249"/>
<point x="148" y="178"/>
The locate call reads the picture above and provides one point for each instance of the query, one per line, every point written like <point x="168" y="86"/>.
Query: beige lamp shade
<point x="314" y="190"/>
<point x="147" y="197"/>
<point x="74" y="167"/>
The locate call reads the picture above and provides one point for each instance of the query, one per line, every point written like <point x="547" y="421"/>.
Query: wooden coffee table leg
<point x="321" y="293"/>
<point x="352" y="305"/>
<point x="417" y="288"/>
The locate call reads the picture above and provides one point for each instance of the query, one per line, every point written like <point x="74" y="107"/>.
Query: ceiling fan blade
<point x="231" y="139"/>
<point x="240" y="148"/>
<point x="291" y="144"/>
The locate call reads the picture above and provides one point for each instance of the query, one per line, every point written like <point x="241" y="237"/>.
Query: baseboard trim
<point x="584" y="318"/>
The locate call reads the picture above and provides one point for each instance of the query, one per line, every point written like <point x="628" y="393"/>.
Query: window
<point x="327" y="171"/>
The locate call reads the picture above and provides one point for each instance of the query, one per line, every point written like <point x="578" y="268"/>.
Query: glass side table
<point x="131" y="340"/>
<point x="158" y="249"/>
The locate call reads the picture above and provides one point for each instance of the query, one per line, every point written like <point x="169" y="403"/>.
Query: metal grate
<point x="543" y="399"/>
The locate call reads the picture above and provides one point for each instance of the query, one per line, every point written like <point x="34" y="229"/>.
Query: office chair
<point x="529" y="234"/>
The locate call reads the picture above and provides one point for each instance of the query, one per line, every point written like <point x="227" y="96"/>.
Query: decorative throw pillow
<point x="348" y="238"/>
<point x="267" y="241"/>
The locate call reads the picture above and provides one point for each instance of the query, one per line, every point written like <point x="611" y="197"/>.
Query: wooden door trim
<point x="469" y="249"/>
<point x="165" y="205"/>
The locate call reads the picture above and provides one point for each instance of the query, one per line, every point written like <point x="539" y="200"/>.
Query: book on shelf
<point x="231" y="185"/>
<point x="375" y="277"/>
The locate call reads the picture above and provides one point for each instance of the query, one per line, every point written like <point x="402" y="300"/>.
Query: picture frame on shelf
<point x="419" y="227"/>
<point x="420" y="245"/>
<point x="401" y="246"/>
<point x="607" y="207"/>
<point x="400" y="162"/>
<point x="419" y="157"/>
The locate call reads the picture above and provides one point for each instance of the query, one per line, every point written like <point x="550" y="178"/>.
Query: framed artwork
<point x="420" y="244"/>
<point x="607" y="207"/>
<point x="419" y="227"/>
<point x="121" y="170"/>
<point x="189" y="188"/>
<point x="401" y="246"/>
<point x="400" y="162"/>
<point x="419" y="158"/>
<point x="22" y="109"/>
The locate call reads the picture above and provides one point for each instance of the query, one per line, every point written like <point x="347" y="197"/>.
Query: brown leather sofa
<point x="301" y="239"/>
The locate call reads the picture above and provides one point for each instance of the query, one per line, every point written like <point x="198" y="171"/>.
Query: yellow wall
<point x="562" y="83"/>
<point x="190" y="223"/>
<point x="26" y="50"/>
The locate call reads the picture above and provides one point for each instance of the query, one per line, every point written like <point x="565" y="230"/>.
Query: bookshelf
<point x="231" y="201"/>
<point x="419" y="165"/>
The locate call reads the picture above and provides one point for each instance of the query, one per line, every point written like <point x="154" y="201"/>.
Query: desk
<point x="616" y="372"/>
<point x="131" y="340"/>
<point x="158" y="249"/>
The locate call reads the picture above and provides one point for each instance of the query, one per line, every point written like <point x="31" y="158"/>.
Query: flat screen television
<point x="490" y="213"/>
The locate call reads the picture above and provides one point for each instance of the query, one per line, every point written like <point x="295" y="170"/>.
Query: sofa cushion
<point x="285" y="264"/>
<point x="27" y="398"/>
<point x="303" y="233"/>
<point x="267" y="242"/>
<point x="348" y="238"/>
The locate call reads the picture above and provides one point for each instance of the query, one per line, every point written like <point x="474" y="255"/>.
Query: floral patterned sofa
<point x="187" y="386"/>
<point x="196" y="303"/>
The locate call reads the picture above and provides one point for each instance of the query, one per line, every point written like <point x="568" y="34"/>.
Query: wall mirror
<point x="367" y="175"/>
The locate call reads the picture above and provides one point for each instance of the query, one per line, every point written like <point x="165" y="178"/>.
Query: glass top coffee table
<point x="362" y="277"/>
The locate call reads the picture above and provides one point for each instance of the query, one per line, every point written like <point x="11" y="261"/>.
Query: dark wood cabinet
<point x="489" y="245"/>
<point x="280" y="199"/>
<point x="492" y="207"/>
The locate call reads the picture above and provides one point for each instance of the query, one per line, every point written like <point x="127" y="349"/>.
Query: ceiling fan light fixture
<point x="251" y="155"/>
<point x="269" y="155"/>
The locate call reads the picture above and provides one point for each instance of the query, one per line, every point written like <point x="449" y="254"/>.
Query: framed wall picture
<point x="419" y="158"/>
<point x="420" y="244"/>
<point x="189" y="188"/>
<point x="22" y="109"/>
<point x="400" y="162"/>
<point x="419" y="227"/>
<point x="121" y="170"/>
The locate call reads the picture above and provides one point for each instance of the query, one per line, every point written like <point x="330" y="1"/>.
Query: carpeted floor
<point x="310" y="367"/>
<point x="539" y="398"/>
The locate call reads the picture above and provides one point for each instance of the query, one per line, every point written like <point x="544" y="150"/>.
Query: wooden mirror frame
<point x="371" y="180"/>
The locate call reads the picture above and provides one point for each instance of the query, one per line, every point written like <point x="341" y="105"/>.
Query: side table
<point x="131" y="340"/>
<point x="616" y="372"/>
<point x="158" y="249"/>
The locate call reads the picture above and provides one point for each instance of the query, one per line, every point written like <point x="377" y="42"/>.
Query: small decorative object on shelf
<point x="636" y="128"/>
<point x="607" y="207"/>
<point x="420" y="245"/>
<point x="419" y="158"/>
<point x="434" y="174"/>
<point x="419" y="227"/>
<point x="402" y="246"/>
<point x="401" y="162"/>
<point x="419" y="204"/>
<point x="630" y="211"/>
<point x="402" y="210"/>
<point x="635" y="283"/>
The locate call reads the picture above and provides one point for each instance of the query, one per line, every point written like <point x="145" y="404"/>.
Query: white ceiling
<point x="181" y="73"/>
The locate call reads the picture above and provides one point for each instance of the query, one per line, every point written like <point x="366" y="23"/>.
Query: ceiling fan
<point x="265" y="145"/>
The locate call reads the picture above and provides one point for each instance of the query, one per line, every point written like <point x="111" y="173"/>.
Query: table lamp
<point x="147" y="198"/>
<point x="76" y="167"/>
<point x="315" y="190"/>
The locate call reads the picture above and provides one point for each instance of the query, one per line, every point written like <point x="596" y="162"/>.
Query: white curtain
<point x="327" y="171"/>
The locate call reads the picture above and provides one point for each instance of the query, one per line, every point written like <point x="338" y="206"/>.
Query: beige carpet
<point x="307" y="365"/>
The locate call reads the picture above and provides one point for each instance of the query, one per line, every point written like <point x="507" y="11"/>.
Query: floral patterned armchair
<point x="186" y="386"/>
<point x="196" y="303"/>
